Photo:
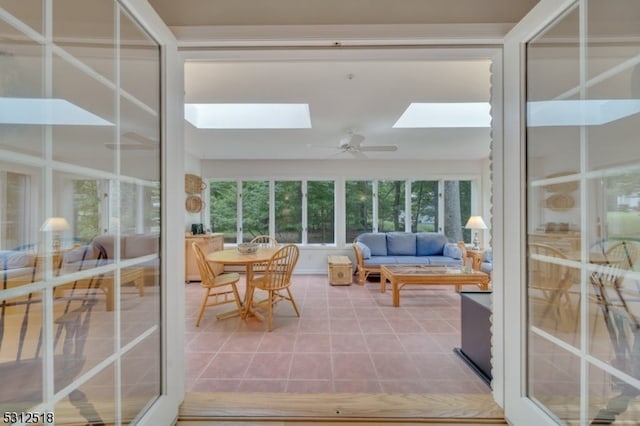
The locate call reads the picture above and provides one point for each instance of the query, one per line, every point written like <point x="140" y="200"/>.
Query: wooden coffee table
<point x="401" y="275"/>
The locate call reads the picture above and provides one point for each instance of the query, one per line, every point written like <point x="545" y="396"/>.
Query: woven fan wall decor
<point x="193" y="184"/>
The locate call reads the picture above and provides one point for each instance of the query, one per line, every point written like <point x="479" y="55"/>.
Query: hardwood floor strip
<point x="336" y="408"/>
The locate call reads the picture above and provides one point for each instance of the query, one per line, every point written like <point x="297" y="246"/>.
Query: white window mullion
<point x="374" y="205"/>
<point x="305" y="201"/>
<point x="407" y="205"/>
<point x="239" y="197"/>
<point x="118" y="208"/>
<point x="272" y="207"/>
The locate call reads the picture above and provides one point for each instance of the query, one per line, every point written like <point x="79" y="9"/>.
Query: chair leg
<point x="202" y="307"/>
<point x="270" y="311"/>
<point x="293" y="302"/>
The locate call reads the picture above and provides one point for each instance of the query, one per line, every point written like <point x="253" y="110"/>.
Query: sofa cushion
<point x="488" y="256"/>
<point x="140" y="245"/>
<point x="376" y="241"/>
<point x="411" y="260"/>
<point x="80" y="253"/>
<point x="430" y="243"/>
<point x="16" y="259"/>
<point x="381" y="260"/>
<point x="364" y="249"/>
<point x="401" y="244"/>
<point x="443" y="261"/>
<point x="108" y="243"/>
<point x="452" y="250"/>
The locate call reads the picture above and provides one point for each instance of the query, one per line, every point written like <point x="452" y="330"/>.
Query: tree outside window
<point x="391" y="207"/>
<point x="288" y="211"/>
<point x="223" y="208"/>
<point x="358" y="208"/>
<point x="320" y="212"/>
<point x="255" y="209"/>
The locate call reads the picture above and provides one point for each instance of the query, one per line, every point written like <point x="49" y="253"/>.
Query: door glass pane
<point x="391" y="207"/>
<point x="288" y="211"/>
<point x="79" y="216"/>
<point x="255" y="209"/>
<point x="223" y="208"/>
<point x="21" y="68"/>
<point x="583" y="199"/>
<point x="320" y="212"/>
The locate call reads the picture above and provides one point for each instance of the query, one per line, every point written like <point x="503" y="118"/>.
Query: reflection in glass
<point x="583" y="213"/>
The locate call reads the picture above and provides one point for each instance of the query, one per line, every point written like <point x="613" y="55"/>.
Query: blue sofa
<point x="487" y="262"/>
<point x="373" y="249"/>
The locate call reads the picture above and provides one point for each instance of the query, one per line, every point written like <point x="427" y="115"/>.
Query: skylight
<point x="46" y="112"/>
<point x="444" y="114"/>
<point x="575" y="112"/>
<point x="248" y="116"/>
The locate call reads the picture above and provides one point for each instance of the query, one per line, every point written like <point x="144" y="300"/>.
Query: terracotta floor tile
<point x="269" y="366"/>
<point x="313" y="366"/>
<point x="348" y="339"/>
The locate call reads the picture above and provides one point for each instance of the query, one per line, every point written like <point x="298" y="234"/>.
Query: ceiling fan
<point x="352" y="143"/>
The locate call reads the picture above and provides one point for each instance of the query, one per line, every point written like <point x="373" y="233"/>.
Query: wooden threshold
<point x="233" y="408"/>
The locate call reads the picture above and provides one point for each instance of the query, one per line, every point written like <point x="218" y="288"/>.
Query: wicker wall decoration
<point x="193" y="184"/>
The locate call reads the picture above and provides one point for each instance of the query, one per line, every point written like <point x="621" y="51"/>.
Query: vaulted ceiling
<point x="358" y="89"/>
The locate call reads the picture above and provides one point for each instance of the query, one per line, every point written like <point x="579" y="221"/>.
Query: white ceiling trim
<point x="339" y="35"/>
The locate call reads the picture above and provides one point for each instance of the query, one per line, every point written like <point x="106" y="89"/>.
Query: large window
<point x="430" y="206"/>
<point x="255" y="209"/>
<point x="223" y="209"/>
<point x="288" y="211"/>
<point x="320" y="212"/>
<point x="294" y="211"/>
<point x="305" y="211"/>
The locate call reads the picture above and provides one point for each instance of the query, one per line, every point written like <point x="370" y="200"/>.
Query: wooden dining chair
<point x="222" y="287"/>
<point x="549" y="284"/>
<point x="276" y="281"/>
<point x="263" y="241"/>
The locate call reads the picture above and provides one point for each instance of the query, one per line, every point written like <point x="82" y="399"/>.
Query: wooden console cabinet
<point x="208" y="243"/>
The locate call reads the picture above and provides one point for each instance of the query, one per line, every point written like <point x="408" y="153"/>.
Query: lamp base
<point x="476" y="242"/>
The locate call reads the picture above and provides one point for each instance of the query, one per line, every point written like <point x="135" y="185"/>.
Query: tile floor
<point x="348" y="339"/>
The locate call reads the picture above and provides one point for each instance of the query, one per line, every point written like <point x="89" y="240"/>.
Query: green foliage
<point x="86" y="206"/>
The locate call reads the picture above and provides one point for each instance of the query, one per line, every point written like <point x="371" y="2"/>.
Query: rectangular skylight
<point x="46" y="112"/>
<point x="248" y="116"/>
<point x="445" y="114"/>
<point x="576" y="112"/>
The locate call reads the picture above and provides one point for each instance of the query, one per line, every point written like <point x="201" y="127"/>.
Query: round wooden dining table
<point x="234" y="257"/>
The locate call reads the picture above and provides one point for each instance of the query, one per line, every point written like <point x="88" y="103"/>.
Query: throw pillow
<point x="452" y="250"/>
<point x="364" y="249"/>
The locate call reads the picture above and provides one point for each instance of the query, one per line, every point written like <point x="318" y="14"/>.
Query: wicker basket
<point x="193" y="184"/>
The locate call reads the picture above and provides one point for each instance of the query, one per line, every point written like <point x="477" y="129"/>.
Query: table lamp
<point x="55" y="225"/>
<point x="475" y="222"/>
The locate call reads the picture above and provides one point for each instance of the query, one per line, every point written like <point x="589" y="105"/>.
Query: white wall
<point x="313" y="259"/>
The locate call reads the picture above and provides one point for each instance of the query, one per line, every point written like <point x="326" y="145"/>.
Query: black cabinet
<point x="475" y="342"/>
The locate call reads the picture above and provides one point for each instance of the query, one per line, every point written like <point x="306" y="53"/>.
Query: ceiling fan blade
<point x="355" y="140"/>
<point x="379" y="148"/>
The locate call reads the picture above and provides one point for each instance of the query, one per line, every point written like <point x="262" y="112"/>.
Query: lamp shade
<point x="475" y="222"/>
<point x="55" y="224"/>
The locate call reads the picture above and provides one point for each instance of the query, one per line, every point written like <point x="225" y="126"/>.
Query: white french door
<point x="571" y="247"/>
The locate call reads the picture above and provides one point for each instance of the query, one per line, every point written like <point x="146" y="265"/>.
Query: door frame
<point x="519" y="409"/>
